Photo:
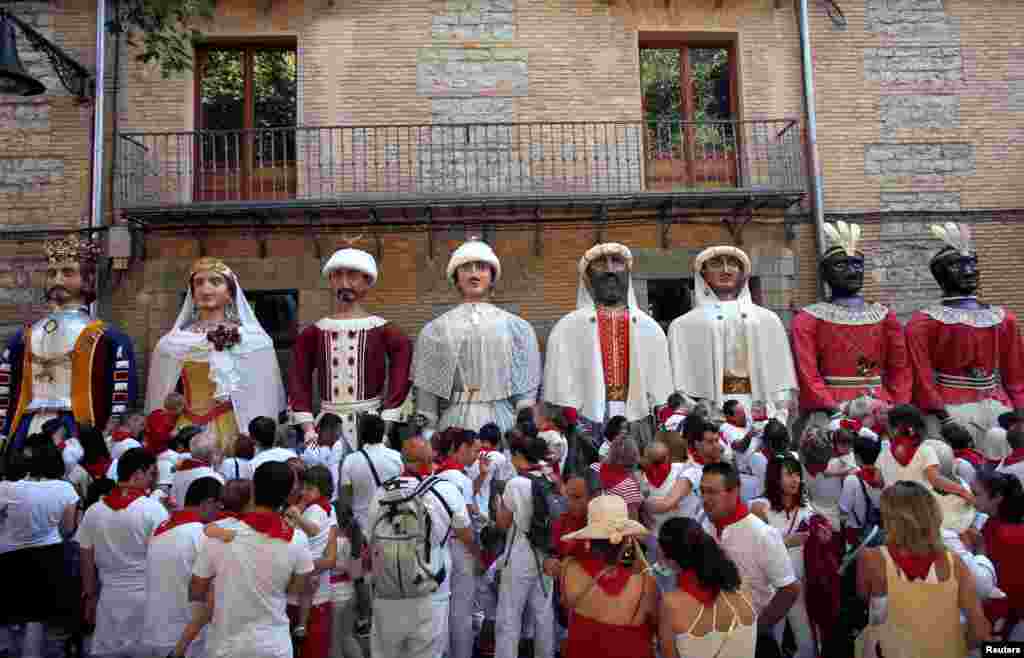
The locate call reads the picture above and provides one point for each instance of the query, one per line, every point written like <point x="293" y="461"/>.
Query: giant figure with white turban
<point x="607" y="358"/>
<point x="477" y="363"/>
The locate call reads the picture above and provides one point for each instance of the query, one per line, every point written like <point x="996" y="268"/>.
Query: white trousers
<point x="462" y="606"/>
<point x="518" y="588"/>
<point x="442" y="636"/>
<point x="404" y="628"/>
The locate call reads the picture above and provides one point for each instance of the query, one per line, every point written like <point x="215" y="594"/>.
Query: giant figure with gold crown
<point x="220" y="356"/>
<point x="846" y="348"/>
<point x="608" y="358"/>
<point x="966" y="355"/>
<point x="67" y="365"/>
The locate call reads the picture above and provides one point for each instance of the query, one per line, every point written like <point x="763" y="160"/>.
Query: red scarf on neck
<point x="904" y="448"/>
<point x="612" y="475"/>
<point x="324" y="504"/>
<point x="98" y="470"/>
<point x="270" y="524"/>
<point x="120" y="435"/>
<point x="419" y="472"/>
<point x="657" y="473"/>
<point x="228" y="515"/>
<point x="1014" y="457"/>
<point x="696" y="457"/>
<point x="121" y="497"/>
<point x="189" y="463"/>
<point x="741" y="512"/>
<point x="556" y="468"/>
<point x="851" y="424"/>
<point x="181" y="517"/>
<point x="688" y="583"/>
<point x="915" y="567"/>
<point x="972" y="456"/>
<point x="871" y="476"/>
<point x="451" y="464"/>
<point x="613" y="581"/>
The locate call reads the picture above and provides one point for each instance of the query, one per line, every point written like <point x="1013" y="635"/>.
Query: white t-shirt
<point x="674" y="423"/>
<point x="72" y="453"/>
<point x="893" y="471"/>
<point x="788" y="524"/>
<point x="442" y="526"/>
<point x="824" y="490"/>
<point x="236" y="468"/>
<point x="169" y="562"/>
<point x="33" y="510"/>
<point x="759" y="554"/>
<point x="316" y="515"/>
<point x="341" y="576"/>
<point x="965" y="470"/>
<point x="355" y="472"/>
<point x="272" y="455"/>
<point x="252" y="574"/>
<point x="852" y="503"/>
<point x="674" y="474"/>
<point x="331" y="457"/>
<point x="519" y="555"/>
<point x="184" y="479"/>
<point x="692" y="507"/>
<point x="498" y="471"/>
<point x="120" y="447"/>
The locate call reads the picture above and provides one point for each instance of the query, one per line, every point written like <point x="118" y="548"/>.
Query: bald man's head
<point x="236" y="495"/>
<point x="656" y="452"/>
<point x="416" y="451"/>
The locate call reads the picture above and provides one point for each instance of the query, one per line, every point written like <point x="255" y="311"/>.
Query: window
<point x="245" y="117"/>
<point x="689" y="105"/>
<point x="667" y="299"/>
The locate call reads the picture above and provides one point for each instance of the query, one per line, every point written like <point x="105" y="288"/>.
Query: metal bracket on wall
<point x="378" y="248"/>
<point x="262" y="234"/>
<point x="664" y="225"/>
<point x="201" y="238"/>
<point x="601" y="223"/>
<point x="428" y="217"/>
<point x="311" y="234"/>
<point x="538" y="234"/>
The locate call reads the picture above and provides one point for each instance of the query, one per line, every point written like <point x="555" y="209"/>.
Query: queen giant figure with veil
<point x="219" y="356"/>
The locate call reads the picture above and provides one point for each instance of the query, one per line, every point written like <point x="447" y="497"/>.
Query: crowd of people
<point x="721" y="537"/>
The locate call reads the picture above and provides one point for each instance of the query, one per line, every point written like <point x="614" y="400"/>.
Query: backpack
<point x="871" y="525"/>
<point x="400" y="540"/>
<point x="547" y="506"/>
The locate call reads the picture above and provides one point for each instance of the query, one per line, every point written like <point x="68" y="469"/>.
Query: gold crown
<point x="209" y="264"/>
<point x="71" y="248"/>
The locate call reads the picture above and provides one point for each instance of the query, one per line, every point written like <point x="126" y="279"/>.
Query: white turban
<point x="352" y="259"/>
<point x="606" y="249"/>
<point x="474" y="251"/>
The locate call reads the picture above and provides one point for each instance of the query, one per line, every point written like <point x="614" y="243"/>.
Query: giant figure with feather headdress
<point x="846" y="348"/>
<point x="966" y="355"/>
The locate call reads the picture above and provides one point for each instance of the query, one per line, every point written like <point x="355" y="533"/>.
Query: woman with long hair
<point x="913" y="582"/>
<point x="709" y="614"/>
<point x="785" y="508"/>
<point x="1001" y="496"/>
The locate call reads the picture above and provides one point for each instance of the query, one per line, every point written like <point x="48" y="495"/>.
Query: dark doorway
<point x="667" y="299"/>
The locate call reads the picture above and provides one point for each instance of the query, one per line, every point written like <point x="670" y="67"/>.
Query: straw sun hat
<point x="608" y="518"/>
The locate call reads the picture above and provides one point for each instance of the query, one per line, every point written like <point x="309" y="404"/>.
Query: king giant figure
<point x="608" y="358"/>
<point x="966" y="355"/>
<point x="846" y="348"/>
<point x="477" y="363"/>
<point x="67" y="365"/>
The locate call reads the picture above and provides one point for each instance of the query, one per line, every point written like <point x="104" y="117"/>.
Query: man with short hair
<point x="263" y="431"/>
<point x="708" y="450"/>
<point x="114" y="537"/>
<point x="1014" y="462"/>
<point x="201" y="464"/>
<point x="169" y="560"/>
<point x="674" y="413"/>
<point x="966" y="460"/>
<point x="418" y="627"/>
<point x="757" y="549"/>
<point x="265" y="560"/>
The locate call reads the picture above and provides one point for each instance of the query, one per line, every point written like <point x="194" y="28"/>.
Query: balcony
<point x="718" y="165"/>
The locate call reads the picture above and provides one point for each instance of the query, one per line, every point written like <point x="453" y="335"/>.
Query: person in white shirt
<point x="667" y="488"/>
<point x="862" y="491"/>
<point x="707" y="450"/>
<point x="169" y="560"/>
<point x="1014" y="462"/>
<point x="827" y="461"/>
<point x="114" y="538"/>
<point x="330" y="448"/>
<point x="464" y="450"/>
<point x="523" y="582"/>
<point x="343" y="597"/>
<point x="909" y="457"/>
<point x="263" y="431"/>
<point x="361" y="474"/>
<point x="966" y="460"/>
<point x="202" y="463"/>
<point x="423" y="632"/>
<point x="239" y="467"/>
<point x="37" y="512"/>
<point x="757" y="549"/>
<point x="264" y="561"/>
<point x="774" y="441"/>
<point x="496" y="469"/>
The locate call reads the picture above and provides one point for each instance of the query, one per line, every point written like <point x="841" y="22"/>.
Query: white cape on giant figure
<point x="574" y="371"/>
<point x="697" y="348"/>
<point x="247" y="374"/>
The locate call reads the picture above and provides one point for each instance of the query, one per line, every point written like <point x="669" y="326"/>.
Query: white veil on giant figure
<point x="247" y="374"/>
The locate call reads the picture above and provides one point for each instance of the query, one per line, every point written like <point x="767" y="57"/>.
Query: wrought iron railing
<point x="334" y="162"/>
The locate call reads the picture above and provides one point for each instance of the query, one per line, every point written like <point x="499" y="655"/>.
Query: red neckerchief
<point x="904" y="448"/>
<point x="612" y="475"/>
<point x="451" y="464"/>
<point x="814" y="470"/>
<point x="221" y="516"/>
<point x="189" y="463"/>
<point x="1014" y="457"/>
<point x="851" y="424"/>
<point x="972" y="456"/>
<point x="98" y="470"/>
<point x="688" y="583"/>
<point x="657" y="473"/>
<point x="120" y="435"/>
<point x="696" y="457"/>
<point x="741" y="512"/>
<point x="613" y="581"/>
<point x="181" y="517"/>
<point x="562" y="526"/>
<point x="915" y="567"/>
<point x="269" y="524"/>
<point x="556" y="468"/>
<point x="994" y="462"/>
<point x="486" y="451"/>
<point x="871" y="476"/>
<point x="324" y="503"/>
<point x="121" y="497"/>
<point x="422" y="471"/>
